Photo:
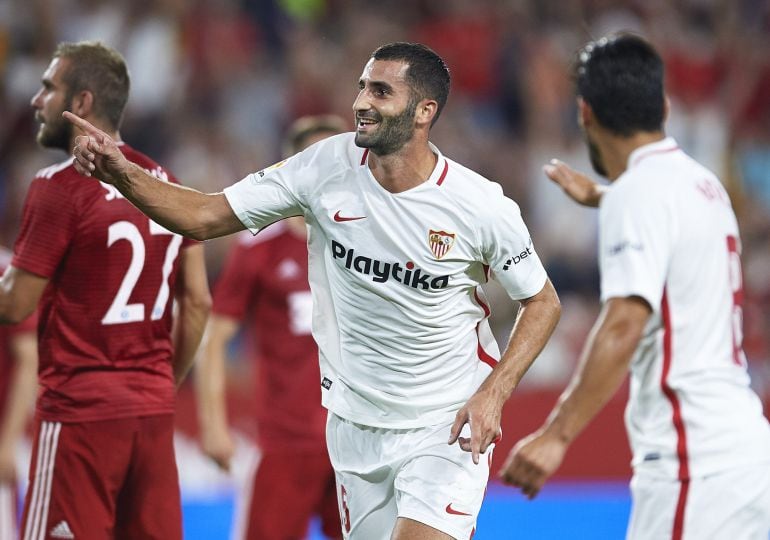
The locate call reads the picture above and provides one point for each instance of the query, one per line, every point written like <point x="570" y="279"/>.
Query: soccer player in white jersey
<point x="671" y="291"/>
<point x="400" y="239"/>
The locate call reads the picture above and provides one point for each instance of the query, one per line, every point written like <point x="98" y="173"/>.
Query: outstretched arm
<point x="602" y="368"/>
<point x="578" y="186"/>
<point x="178" y="208"/>
<point x="535" y="323"/>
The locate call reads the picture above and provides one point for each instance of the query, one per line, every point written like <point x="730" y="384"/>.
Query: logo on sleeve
<point x="326" y="383"/>
<point x="272" y="167"/>
<point x="516" y="259"/>
<point x="440" y="242"/>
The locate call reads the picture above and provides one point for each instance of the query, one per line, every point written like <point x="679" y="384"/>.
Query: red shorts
<point x="288" y="489"/>
<point x="8" y="510"/>
<point x="106" y="479"/>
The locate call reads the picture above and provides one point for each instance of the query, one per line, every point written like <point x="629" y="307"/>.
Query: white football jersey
<point x="399" y="315"/>
<point x="669" y="235"/>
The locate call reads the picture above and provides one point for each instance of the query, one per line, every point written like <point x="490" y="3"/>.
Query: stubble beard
<point x="392" y="133"/>
<point x="55" y="133"/>
<point x="595" y="155"/>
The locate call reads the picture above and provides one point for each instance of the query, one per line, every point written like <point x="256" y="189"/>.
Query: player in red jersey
<point x="265" y="280"/>
<point x="105" y="276"/>
<point x="18" y="381"/>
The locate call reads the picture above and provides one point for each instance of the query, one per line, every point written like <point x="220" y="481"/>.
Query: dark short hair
<point x="307" y="126"/>
<point x="621" y="78"/>
<point x="102" y="71"/>
<point x="428" y="74"/>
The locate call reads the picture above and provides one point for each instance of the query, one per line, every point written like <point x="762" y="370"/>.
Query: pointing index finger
<point x="85" y="125"/>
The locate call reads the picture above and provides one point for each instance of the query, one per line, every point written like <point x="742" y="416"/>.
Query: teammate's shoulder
<point x="58" y="170"/>
<point x="146" y="162"/>
<point x="339" y="146"/>
<point x="470" y="185"/>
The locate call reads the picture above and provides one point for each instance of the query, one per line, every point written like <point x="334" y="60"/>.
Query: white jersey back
<point x="669" y="235"/>
<point x="399" y="314"/>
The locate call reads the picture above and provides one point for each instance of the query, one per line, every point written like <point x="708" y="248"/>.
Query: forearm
<point x="534" y="325"/>
<point x="180" y="209"/>
<point x="22" y="388"/>
<point x="603" y="366"/>
<point x="210" y="384"/>
<point x="188" y="331"/>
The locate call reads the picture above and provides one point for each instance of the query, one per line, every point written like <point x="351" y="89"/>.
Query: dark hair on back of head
<point x="621" y="78"/>
<point x="102" y="71"/>
<point x="428" y="75"/>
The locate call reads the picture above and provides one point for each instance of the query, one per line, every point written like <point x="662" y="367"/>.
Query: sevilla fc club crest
<point x="440" y="242"/>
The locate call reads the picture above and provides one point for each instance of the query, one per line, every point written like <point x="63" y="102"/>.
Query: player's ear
<point x="585" y="113"/>
<point x="426" y="111"/>
<point x="666" y="108"/>
<point x="83" y="103"/>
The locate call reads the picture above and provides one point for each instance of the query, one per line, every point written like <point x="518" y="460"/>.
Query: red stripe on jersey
<point x="363" y="158"/>
<point x="485" y="307"/>
<point x="681" y="445"/>
<point x="443" y="174"/>
<point x="652" y="153"/>
<point x="484" y="356"/>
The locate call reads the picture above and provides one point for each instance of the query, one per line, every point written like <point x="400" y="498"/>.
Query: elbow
<point x="201" y="303"/>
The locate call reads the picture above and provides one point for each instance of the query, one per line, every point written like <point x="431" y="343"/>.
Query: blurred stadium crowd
<point x="216" y="82"/>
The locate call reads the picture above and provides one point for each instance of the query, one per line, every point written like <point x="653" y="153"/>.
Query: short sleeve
<point x="507" y="247"/>
<point x="634" y="242"/>
<point x="48" y="224"/>
<point x="274" y="193"/>
<point x="239" y="279"/>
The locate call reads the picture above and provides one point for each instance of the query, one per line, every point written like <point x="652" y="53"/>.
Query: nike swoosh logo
<point x="450" y="510"/>
<point x="338" y="218"/>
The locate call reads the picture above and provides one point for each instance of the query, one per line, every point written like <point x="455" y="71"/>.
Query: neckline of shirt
<point x="437" y="176"/>
<point x="667" y="144"/>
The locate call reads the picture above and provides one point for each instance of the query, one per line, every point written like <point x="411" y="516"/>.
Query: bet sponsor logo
<point x="381" y="272"/>
<point x="516" y="259"/>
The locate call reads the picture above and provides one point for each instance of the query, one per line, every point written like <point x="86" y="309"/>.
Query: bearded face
<point x="597" y="162"/>
<point x="54" y="131"/>
<point x="386" y="134"/>
<point x="49" y="102"/>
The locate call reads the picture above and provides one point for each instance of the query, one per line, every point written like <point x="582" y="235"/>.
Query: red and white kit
<point x="400" y="317"/>
<point x="701" y="445"/>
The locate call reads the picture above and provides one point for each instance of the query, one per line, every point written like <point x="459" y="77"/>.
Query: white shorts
<point x="730" y="505"/>
<point x="383" y="474"/>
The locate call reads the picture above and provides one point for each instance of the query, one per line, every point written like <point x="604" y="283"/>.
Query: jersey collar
<point x="667" y="144"/>
<point x="439" y="171"/>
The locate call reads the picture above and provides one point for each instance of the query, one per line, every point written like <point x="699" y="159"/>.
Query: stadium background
<point x="216" y="82"/>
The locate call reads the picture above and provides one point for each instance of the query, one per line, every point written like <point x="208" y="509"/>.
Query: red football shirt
<point x="105" y="317"/>
<point x="7" y="361"/>
<point x="265" y="280"/>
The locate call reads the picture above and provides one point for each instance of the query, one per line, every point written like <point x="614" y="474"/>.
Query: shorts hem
<point x="431" y="521"/>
